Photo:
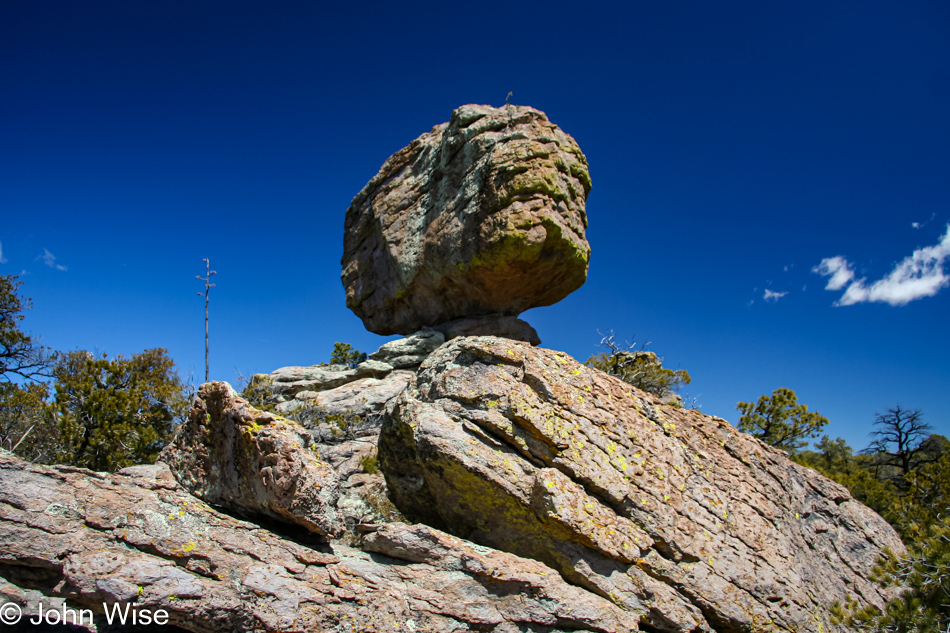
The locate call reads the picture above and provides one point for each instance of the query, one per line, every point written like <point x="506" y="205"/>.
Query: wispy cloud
<point x="50" y="260"/>
<point x="919" y="275"/>
<point x="920" y="225"/>
<point x="2" y="260"/>
<point x="773" y="296"/>
<point x="838" y="269"/>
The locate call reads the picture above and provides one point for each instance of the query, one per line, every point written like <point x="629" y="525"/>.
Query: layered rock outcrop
<point x="253" y="462"/>
<point x="83" y="539"/>
<point x="549" y="497"/>
<point x="671" y="514"/>
<point x="318" y="473"/>
<point x="484" y="215"/>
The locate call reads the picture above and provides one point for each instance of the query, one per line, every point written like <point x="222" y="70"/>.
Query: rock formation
<point x="252" y="462"/>
<point x="261" y="465"/>
<point x="484" y="215"/>
<point x="547" y="495"/>
<point x="72" y="536"/>
<point x="671" y="514"/>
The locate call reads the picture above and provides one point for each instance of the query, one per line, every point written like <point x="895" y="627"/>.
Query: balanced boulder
<point x="484" y="215"/>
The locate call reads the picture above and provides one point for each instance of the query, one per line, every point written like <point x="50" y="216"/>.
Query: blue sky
<point x="735" y="149"/>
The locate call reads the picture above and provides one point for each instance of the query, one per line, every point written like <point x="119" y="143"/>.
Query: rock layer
<point x="671" y="514"/>
<point x="253" y="462"/>
<point x="75" y="537"/>
<point x="490" y="325"/>
<point x="483" y="215"/>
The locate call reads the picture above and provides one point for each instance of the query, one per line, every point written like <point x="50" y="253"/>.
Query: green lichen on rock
<point x="485" y="214"/>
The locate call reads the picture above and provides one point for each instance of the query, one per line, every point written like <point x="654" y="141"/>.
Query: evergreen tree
<point x="644" y="370"/>
<point x="780" y="421"/>
<point x="923" y="606"/>
<point x="20" y="354"/>
<point x="26" y="426"/>
<point x="917" y="504"/>
<point x="344" y="354"/>
<point x="119" y="412"/>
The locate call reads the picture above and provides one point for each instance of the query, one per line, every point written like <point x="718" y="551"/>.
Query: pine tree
<point x="780" y="421"/>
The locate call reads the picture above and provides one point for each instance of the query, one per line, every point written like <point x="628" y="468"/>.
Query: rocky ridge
<point x="71" y="536"/>
<point x="547" y="496"/>
<point x="671" y="514"/>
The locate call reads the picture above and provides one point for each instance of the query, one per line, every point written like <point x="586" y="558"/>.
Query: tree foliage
<point x="923" y="606"/>
<point x="780" y="420"/>
<point x="27" y="426"/>
<point x="640" y="368"/>
<point x="118" y="412"/>
<point x="20" y="354"/>
<point x="917" y="504"/>
<point x="344" y="354"/>
<point x="259" y="393"/>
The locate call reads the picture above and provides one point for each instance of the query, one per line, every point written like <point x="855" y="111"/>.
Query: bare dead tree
<point x="900" y="440"/>
<point x="21" y="355"/>
<point x="620" y="361"/>
<point x="206" y="293"/>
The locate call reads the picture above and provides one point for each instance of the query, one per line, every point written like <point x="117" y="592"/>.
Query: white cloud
<point x="920" y="225"/>
<point x="2" y="260"/>
<point x="50" y="260"/>
<point x="919" y="275"/>
<point x="773" y="296"/>
<point x="838" y="268"/>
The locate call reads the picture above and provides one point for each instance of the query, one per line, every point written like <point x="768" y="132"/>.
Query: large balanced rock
<point x="84" y="540"/>
<point x="669" y="513"/>
<point x="483" y="215"/>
